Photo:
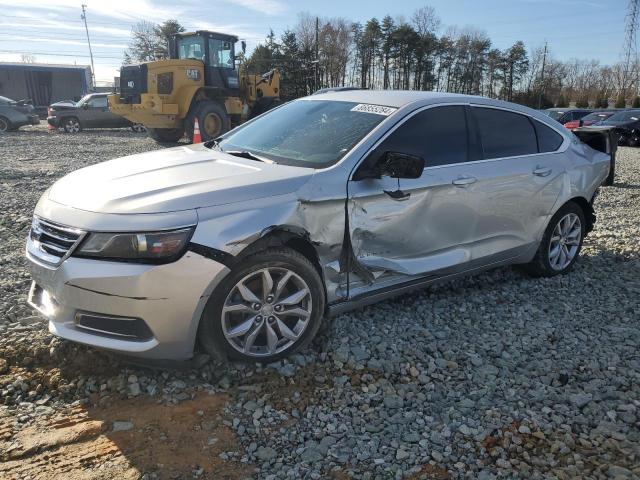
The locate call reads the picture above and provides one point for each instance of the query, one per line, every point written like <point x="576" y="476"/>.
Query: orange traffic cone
<point x="197" y="138"/>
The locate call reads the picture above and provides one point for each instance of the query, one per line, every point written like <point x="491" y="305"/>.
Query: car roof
<point x="389" y="98"/>
<point x="558" y="109"/>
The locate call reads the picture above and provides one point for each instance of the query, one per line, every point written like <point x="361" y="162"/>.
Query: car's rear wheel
<point x="5" y="125"/>
<point x="165" y="135"/>
<point x="138" y="128"/>
<point x="269" y="306"/>
<point x="71" y="125"/>
<point x="561" y="243"/>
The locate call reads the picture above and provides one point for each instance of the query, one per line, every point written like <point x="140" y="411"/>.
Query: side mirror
<point x="85" y="106"/>
<point x="392" y="164"/>
<point x="402" y="165"/>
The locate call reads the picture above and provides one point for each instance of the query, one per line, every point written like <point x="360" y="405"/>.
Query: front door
<point x="402" y="227"/>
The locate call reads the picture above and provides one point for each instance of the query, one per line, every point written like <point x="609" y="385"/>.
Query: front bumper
<point x="53" y="121"/>
<point x="168" y="298"/>
<point x="33" y="119"/>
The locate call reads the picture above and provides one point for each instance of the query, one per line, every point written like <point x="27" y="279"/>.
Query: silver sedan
<point x="245" y="244"/>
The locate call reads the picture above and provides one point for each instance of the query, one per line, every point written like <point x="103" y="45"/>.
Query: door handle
<point x="542" y="171"/>
<point x="398" y="194"/>
<point x="464" y="181"/>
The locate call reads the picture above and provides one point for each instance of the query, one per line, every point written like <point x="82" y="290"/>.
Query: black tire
<point x="210" y="332"/>
<point x="138" y="128"/>
<point x="165" y="135"/>
<point x="71" y="125"/>
<point x="541" y="265"/>
<point x="5" y="125"/>
<point x="208" y="113"/>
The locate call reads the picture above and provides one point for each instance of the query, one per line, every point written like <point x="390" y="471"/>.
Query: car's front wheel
<point x="5" y="125"/>
<point x="561" y="243"/>
<point x="269" y="306"/>
<point x="71" y="125"/>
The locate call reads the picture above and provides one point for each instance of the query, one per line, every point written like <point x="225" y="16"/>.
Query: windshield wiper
<point x="247" y="154"/>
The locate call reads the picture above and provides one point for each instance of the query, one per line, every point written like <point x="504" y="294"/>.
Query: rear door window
<point x="548" y="139"/>
<point x="439" y="135"/>
<point x="505" y="134"/>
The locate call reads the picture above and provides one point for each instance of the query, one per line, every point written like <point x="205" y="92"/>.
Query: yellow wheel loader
<point x="200" y="81"/>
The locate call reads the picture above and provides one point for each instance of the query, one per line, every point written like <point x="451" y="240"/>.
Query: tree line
<point x="417" y="53"/>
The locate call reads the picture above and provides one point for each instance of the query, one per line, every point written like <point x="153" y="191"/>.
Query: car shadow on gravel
<point x="626" y="186"/>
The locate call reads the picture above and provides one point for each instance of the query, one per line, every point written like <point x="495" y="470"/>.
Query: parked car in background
<point x="626" y="124"/>
<point x="564" y="115"/>
<point x="591" y="119"/>
<point x="325" y="204"/>
<point x="92" y="111"/>
<point x="15" y="114"/>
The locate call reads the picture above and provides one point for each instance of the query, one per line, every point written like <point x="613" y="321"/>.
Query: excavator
<point x="198" y="81"/>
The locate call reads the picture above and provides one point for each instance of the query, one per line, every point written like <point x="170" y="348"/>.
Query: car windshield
<point x="554" y="114"/>
<point x="83" y="100"/>
<point x="597" y="116"/>
<point x="306" y="133"/>
<point x="626" y="116"/>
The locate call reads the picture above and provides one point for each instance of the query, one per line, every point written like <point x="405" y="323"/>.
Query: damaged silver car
<point x="324" y="204"/>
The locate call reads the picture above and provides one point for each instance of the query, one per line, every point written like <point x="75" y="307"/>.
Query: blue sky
<point x="52" y="31"/>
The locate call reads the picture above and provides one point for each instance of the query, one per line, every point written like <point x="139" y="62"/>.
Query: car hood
<point x="174" y="179"/>
<point x="63" y="106"/>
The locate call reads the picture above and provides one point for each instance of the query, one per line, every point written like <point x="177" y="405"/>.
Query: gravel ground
<point x="495" y="376"/>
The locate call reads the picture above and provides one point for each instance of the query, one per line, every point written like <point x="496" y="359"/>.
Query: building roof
<point x="43" y="66"/>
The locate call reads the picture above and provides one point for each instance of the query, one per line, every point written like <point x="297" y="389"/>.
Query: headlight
<point x="145" y="247"/>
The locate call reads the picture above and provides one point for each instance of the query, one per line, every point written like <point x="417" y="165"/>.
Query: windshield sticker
<point x="377" y="109"/>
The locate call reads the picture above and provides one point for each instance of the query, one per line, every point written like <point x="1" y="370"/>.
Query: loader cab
<point x="216" y="51"/>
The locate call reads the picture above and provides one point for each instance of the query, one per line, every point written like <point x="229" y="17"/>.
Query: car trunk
<point x="603" y="139"/>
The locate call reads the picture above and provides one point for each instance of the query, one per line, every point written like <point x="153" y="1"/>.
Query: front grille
<point x="51" y="242"/>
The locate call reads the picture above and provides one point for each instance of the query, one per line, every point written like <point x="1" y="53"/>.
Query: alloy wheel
<point x="72" y="126"/>
<point x="138" y="128"/>
<point x="565" y="241"/>
<point x="266" y="312"/>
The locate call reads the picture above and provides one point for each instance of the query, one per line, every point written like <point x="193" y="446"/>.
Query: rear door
<point x="518" y="181"/>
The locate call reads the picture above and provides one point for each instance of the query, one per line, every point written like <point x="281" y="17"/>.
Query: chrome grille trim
<point x="50" y="242"/>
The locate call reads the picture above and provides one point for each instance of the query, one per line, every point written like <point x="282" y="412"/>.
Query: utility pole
<point x="629" y="51"/>
<point x="317" y="80"/>
<point x="544" y="61"/>
<point x="93" y="70"/>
